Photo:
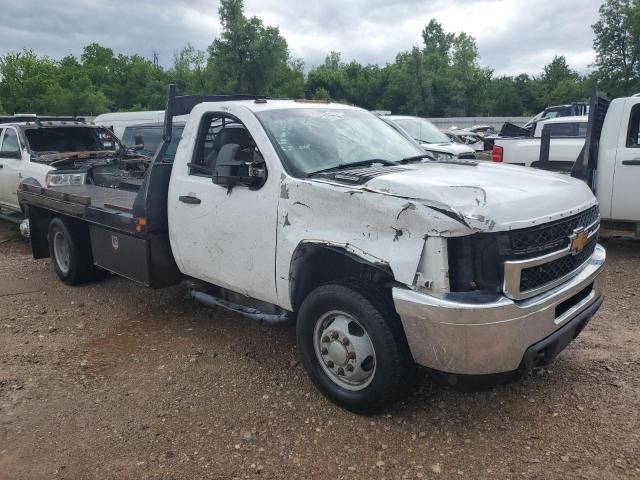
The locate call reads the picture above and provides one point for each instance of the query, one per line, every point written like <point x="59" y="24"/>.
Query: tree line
<point x="441" y="76"/>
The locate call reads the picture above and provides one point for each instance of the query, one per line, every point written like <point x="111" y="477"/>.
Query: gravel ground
<point x="111" y="380"/>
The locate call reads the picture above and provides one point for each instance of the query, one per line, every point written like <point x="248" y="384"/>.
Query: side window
<point x="561" y="129"/>
<point x="128" y="135"/>
<point x="633" y="134"/>
<point x="10" y="141"/>
<point x="216" y="131"/>
<point x="582" y="129"/>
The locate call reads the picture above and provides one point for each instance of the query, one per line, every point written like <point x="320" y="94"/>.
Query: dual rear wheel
<point x="70" y="250"/>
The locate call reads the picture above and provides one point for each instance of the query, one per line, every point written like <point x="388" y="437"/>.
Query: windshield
<point x="67" y="139"/>
<point x="422" y="130"/>
<point x="317" y="139"/>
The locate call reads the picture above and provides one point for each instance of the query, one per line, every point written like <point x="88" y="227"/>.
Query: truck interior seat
<point x="228" y="135"/>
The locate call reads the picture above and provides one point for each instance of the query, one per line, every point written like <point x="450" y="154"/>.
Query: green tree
<point x="617" y="46"/>
<point x="189" y="71"/>
<point x="26" y="82"/>
<point x="248" y="57"/>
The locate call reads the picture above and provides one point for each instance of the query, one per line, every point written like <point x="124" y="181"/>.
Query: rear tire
<point x="70" y="249"/>
<point x="353" y="346"/>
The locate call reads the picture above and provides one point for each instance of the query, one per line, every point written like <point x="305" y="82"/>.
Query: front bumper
<point x="481" y="334"/>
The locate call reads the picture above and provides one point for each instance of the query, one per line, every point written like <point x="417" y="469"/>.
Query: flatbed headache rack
<point x="128" y="230"/>
<point x="587" y="161"/>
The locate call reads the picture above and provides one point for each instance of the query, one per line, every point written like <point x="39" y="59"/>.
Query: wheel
<point x="353" y="346"/>
<point x="70" y="253"/>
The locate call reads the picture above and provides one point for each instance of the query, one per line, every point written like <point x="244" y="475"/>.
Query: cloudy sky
<point x="513" y="36"/>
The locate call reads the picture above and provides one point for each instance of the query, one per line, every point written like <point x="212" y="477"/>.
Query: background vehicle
<point x="610" y="161"/>
<point x="30" y="151"/>
<point x="567" y="139"/>
<point x="147" y="138"/>
<point x="387" y="258"/>
<point x="118" y="121"/>
<point x="557" y="111"/>
<point x="430" y="138"/>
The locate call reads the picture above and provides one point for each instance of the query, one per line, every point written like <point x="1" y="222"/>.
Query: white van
<point x="118" y="121"/>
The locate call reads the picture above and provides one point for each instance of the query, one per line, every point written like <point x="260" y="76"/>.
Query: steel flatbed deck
<point x="108" y="207"/>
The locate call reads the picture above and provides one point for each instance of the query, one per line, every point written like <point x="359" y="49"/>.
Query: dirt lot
<point x="111" y="380"/>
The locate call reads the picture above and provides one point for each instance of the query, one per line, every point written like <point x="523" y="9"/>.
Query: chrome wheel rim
<point x="345" y="351"/>
<point x="61" y="251"/>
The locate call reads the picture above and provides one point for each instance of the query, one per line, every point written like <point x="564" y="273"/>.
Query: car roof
<point x="573" y="119"/>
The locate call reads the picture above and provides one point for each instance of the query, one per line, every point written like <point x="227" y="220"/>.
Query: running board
<point x="250" y="312"/>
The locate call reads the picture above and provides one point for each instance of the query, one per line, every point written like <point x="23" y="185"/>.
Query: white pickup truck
<point x="567" y="139"/>
<point x="324" y="214"/>
<point x="34" y="149"/>
<point x="610" y="162"/>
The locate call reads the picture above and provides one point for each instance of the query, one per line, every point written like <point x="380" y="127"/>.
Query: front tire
<point x="70" y="252"/>
<point x="353" y="346"/>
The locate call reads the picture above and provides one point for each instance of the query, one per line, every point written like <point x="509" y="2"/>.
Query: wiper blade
<point x="361" y="163"/>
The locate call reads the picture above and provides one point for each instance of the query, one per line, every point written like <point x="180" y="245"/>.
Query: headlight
<point x="60" y="179"/>
<point x="440" y="155"/>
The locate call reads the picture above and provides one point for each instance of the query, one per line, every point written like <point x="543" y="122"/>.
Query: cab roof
<point x="262" y="105"/>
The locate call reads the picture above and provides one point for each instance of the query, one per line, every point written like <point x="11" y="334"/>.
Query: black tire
<point x="372" y="307"/>
<point x="78" y="268"/>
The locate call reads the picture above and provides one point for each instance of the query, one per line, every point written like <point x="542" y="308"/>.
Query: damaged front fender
<point x="379" y="228"/>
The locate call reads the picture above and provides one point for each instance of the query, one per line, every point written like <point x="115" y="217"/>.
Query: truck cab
<point x="610" y="161"/>
<point x="325" y="215"/>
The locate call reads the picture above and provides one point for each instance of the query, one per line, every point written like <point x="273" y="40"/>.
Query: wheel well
<point x="314" y="265"/>
<point x="39" y="220"/>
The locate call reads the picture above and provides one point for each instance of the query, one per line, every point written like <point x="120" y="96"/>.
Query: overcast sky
<point x="513" y="36"/>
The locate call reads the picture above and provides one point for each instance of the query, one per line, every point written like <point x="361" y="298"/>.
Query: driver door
<point x="226" y="237"/>
<point x="625" y="198"/>
<point x="10" y="167"/>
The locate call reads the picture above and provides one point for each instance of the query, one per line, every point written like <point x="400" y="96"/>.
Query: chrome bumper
<point x="474" y="334"/>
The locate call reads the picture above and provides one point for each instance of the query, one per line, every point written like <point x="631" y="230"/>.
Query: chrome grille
<point x="540" y="275"/>
<point x="541" y="257"/>
<point x="550" y="236"/>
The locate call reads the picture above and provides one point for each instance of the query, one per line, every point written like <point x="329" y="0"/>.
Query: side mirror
<point x="237" y="167"/>
<point x="11" y="154"/>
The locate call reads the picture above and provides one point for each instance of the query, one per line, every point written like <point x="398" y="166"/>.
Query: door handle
<point x="190" y="199"/>
<point x="635" y="161"/>
<point x="1" y="166"/>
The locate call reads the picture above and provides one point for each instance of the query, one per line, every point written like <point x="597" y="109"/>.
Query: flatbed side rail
<point x="77" y="206"/>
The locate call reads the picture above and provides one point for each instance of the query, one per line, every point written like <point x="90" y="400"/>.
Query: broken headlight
<point x="61" y="179"/>
<point x="475" y="262"/>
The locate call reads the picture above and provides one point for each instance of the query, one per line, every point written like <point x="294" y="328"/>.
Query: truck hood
<point x="486" y="196"/>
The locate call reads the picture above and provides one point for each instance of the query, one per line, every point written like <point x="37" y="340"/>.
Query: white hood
<point x="489" y="196"/>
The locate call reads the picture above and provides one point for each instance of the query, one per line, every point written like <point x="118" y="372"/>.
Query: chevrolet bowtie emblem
<point x="578" y="241"/>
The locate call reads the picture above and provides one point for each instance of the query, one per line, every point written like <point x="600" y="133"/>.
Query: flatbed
<point x="109" y="207"/>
